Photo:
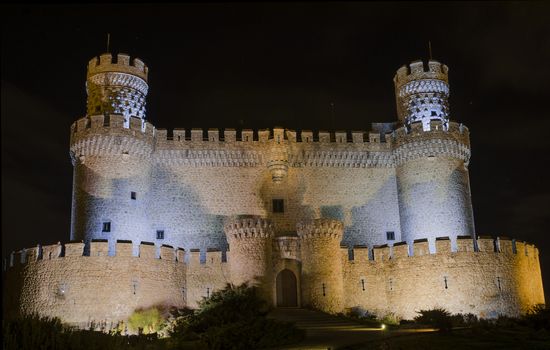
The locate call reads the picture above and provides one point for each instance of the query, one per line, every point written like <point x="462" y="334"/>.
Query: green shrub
<point x="390" y="319"/>
<point x="438" y="318"/>
<point x="147" y="321"/>
<point x="37" y="333"/>
<point x="233" y="318"/>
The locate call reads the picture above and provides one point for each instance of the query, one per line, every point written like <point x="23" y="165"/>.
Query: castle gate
<point x="287" y="293"/>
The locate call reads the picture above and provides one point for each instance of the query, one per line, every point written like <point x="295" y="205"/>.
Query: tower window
<point x="390" y="236"/>
<point x="133" y="195"/>
<point x="278" y="206"/>
<point x="160" y="234"/>
<point x="106" y="227"/>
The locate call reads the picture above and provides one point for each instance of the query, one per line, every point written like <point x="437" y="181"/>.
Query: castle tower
<point x="117" y="87"/>
<point x="422" y="96"/>
<point x="111" y="153"/>
<point x="322" y="281"/>
<point x="250" y="248"/>
<point x="432" y="155"/>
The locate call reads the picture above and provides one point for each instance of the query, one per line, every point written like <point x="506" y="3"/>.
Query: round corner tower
<point x="322" y="280"/>
<point x="250" y="250"/>
<point x="110" y="149"/>
<point x="432" y="155"/>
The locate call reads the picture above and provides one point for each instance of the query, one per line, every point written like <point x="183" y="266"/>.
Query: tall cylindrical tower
<point x="250" y="247"/>
<point x="111" y="152"/>
<point x="322" y="281"/>
<point x="432" y="155"/>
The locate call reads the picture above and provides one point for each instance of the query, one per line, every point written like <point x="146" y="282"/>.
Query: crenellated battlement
<point x="250" y="227"/>
<point x="416" y="142"/>
<point x="229" y="148"/>
<point x="111" y="135"/>
<point x="254" y="136"/>
<point x="123" y="249"/>
<point x="320" y="228"/>
<point x="105" y="63"/>
<point x="418" y="70"/>
<point x="465" y="244"/>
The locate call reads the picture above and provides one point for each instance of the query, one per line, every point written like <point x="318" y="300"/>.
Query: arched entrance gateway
<point x="287" y="291"/>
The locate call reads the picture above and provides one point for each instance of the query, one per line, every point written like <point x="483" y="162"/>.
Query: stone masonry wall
<point x="484" y="282"/>
<point x="59" y="281"/>
<point x="321" y="278"/>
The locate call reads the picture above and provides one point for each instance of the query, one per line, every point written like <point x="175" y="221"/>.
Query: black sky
<point x="260" y="65"/>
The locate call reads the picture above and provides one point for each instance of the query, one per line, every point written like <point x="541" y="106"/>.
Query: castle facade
<point x="380" y="220"/>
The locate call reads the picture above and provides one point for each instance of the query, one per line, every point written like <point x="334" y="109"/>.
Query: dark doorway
<point x="287" y="292"/>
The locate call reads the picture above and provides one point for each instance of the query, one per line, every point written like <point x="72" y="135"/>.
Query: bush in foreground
<point x="438" y="318"/>
<point x="234" y="318"/>
<point x="37" y="333"/>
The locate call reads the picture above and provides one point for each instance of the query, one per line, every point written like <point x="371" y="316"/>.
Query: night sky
<point x="263" y="65"/>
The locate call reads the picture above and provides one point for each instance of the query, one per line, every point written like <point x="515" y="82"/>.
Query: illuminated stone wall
<point x="250" y="243"/>
<point x="497" y="277"/>
<point x="433" y="182"/>
<point x="188" y="188"/>
<point x="485" y="283"/>
<point x="104" y="290"/>
<point x="321" y="276"/>
<point x="110" y="162"/>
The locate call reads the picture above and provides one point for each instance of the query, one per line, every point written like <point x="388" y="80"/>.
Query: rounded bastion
<point x="322" y="283"/>
<point x="250" y="251"/>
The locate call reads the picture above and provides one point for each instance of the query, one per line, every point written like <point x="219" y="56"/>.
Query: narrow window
<point x="445" y="280"/>
<point x="278" y="206"/>
<point x="160" y="234"/>
<point x="498" y="282"/>
<point x="324" y="290"/>
<point x="390" y="235"/>
<point x="106" y="226"/>
<point x="133" y="195"/>
<point x="363" y="284"/>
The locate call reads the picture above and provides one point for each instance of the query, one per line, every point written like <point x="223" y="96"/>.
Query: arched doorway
<point x="287" y="292"/>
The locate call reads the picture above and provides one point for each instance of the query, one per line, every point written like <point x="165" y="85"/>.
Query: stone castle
<point x="380" y="220"/>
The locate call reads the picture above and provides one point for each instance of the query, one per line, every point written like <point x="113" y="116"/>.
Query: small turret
<point x="116" y="87"/>
<point x="322" y="283"/>
<point x="422" y="93"/>
<point x="250" y="246"/>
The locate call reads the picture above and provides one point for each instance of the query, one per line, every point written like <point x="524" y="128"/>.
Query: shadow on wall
<point x="176" y="208"/>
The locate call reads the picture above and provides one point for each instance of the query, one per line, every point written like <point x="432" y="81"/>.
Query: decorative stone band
<point x="431" y="148"/>
<point x="251" y="227"/>
<point x="118" y="79"/>
<point x="320" y="228"/>
<point x="423" y="86"/>
<point x="109" y="145"/>
<point x="209" y="157"/>
<point x="343" y="159"/>
<point x="105" y="64"/>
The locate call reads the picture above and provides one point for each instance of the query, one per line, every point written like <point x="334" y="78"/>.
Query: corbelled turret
<point x="117" y="87"/>
<point x="422" y="93"/>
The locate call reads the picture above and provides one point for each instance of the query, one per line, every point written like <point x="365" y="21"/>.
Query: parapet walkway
<point x="324" y="331"/>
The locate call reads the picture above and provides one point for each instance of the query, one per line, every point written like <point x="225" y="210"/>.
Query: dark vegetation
<point x="466" y="331"/>
<point x="232" y="318"/>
